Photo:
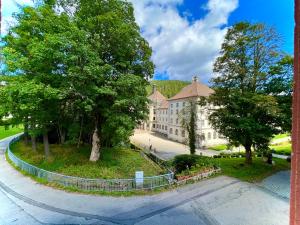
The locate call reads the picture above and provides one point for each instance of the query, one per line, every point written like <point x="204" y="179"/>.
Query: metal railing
<point x="91" y="184"/>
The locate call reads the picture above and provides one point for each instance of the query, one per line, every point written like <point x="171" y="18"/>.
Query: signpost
<point x="139" y="178"/>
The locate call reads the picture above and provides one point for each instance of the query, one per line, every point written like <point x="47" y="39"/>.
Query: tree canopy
<point x="253" y="80"/>
<point x="79" y="69"/>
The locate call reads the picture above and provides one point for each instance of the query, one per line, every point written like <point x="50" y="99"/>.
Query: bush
<point x="183" y="162"/>
<point x="230" y="155"/>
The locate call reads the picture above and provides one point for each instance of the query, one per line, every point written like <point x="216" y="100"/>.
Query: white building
<point x="166" y="115"/>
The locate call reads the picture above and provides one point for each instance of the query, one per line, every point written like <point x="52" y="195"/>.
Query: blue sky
<point x="277" y="13"/>
<point x="186" y="35"/>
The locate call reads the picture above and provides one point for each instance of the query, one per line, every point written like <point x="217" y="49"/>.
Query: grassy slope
<point x="280" y="148"/>
<point x="235" y="167"/>
<point x="9" y="131"/>
<point x="284" y="148"/>
<point x="114" y="163"/>
<point x="278" y="136"/>
<point x="168" y="88"/>
<point x="218" y="147"/>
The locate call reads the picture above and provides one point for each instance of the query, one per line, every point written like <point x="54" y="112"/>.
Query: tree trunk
<point x="26" y="132"/>
<point x="62" y="135"/>
<point x="80" y="133"/>
<point x="33" y="143"/>
<point x="46" y="144"/>
<point x="95" y="154"/>
<point x="248" y="154"/>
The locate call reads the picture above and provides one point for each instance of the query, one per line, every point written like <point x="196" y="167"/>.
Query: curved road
<point x="221" y="200"/>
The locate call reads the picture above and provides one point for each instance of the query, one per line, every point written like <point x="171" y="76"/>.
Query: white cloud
<point x="181" y="48"/>
<point x="10" y="7"/>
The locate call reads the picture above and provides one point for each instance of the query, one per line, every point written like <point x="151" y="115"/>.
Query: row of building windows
<point x="177" y="104"/>
<point x="176" y="132"/>
<point x="159" y="126"/>
<point x="202" y="122"/>
<point x="163" y="127"/>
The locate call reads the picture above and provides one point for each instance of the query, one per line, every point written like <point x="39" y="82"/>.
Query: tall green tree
<point x="93" y="63"/>
<point x="115" y="77"/>
<point x="188" y="119"/>
<point x="245" y="110"/>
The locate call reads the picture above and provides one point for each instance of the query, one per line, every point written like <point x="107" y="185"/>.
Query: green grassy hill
<point x="168" y="88"/>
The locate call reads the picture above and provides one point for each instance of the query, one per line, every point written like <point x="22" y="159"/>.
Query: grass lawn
<point x="68" y="160"/>
<point x="9" y="131"/>
<point x="278" y="136"/>
<point x="218" y="147"/>
<point x="235" y="167"/>
<point x="284" y="148"/>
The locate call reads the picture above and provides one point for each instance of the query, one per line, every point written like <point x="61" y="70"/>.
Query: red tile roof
<point x="195" y="89"/>
<point x="156" y="96"/>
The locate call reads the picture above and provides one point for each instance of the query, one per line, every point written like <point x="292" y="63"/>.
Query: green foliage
<point x="188" y="117"/>
<point x="281" y="86"/>
<point x="86" y="71"/>
<point x="168" y="88"/>
<point x="247" y="112"/>
<point x="183" y="162"/>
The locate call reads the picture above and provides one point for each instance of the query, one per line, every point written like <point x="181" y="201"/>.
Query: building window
<point x="171" y="105"/>
<point x="176" y="121"/>
<point x="154" y="111"/>
<point x="171" y="112"/>
<point x="183" y="104"/>
<point x="176" y="132"/>
<point x="153" y="118"/>
<point x="209" y="136"/>
<point x="171" y="131"/>
<point x="166" y="128"/>
<point x="163" y="127"/>
<point x="183" y="133"/>
<point x="153" y="125"/>
<point x="171" y="121"/>
<point x="177" y="104"/>
<point x="215" y="135"/>
<point x="177" y="111"/>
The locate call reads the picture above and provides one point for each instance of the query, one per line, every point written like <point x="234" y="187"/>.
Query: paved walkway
<point x="279" y="183"/>
<point x="220" y="200"/>
<point x="164" y="147"/>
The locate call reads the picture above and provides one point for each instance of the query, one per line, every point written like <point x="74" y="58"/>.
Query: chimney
<point x="195" y="79"/>
<point x="153" y="88"/>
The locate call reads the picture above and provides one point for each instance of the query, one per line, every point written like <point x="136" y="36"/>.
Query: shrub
<point x="183" y="162"/>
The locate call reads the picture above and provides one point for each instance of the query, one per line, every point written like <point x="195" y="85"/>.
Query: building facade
<point x="167" y="116"/>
